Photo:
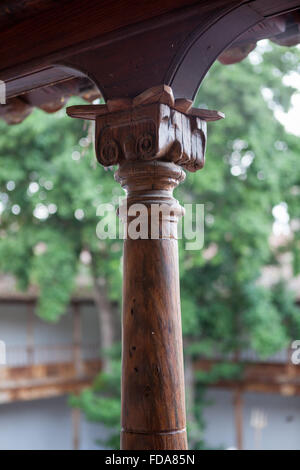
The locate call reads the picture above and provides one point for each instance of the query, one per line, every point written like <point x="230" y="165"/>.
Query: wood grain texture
<point x="151" y="132"/>
<point x="72" y="22"/>
<point x="153" y="406"/>
<point x="153" y="403"/>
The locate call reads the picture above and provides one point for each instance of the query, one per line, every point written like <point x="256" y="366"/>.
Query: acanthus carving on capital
<point x="152" y="126"/>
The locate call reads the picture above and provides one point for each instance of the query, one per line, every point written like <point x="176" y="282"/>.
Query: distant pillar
<point x="76" y="415"/>
<point x="30" y="333"/>
<point x="238" y="417"/>
<point x="77" y="339"/>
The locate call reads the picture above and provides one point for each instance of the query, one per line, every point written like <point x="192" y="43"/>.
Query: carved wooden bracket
<point x="152" y="126"/>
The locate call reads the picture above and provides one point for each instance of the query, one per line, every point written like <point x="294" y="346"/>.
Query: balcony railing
<point x="23" y="356"/>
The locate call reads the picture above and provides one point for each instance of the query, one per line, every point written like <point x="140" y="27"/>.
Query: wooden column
<point x="152" y="138"/>
<point x="153" y="403"/>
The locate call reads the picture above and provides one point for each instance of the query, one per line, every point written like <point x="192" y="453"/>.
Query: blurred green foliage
<point x="252" y="166"/>
<point x="49" y="217"/>
<point x="102" y="402"/>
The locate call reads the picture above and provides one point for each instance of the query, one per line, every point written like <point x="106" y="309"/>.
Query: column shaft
<point x="153" y="403"/>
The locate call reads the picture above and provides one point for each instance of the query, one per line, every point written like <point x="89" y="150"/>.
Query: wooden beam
<point x="63" y="26"/>
<point x="184" y="36"/>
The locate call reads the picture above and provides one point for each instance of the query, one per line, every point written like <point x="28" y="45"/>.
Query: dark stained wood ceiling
<point x="13" y="11"/>
<point x="49" y="48"/>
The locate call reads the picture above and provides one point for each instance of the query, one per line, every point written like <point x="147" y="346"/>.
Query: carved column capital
<point x="152" y="126"/>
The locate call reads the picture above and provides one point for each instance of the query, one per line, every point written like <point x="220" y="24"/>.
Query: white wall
<point x="43" y="425"/>
<point x="13" y="326"/>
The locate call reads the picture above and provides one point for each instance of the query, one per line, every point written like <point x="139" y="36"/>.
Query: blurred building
<point x="261" y="410"/>
<point x="44" y="364"/>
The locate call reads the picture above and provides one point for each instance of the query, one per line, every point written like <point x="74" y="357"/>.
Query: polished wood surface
<point x="153" y="404"/>
<point x="152" y="138"/>
<point x="153" y="411"/>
